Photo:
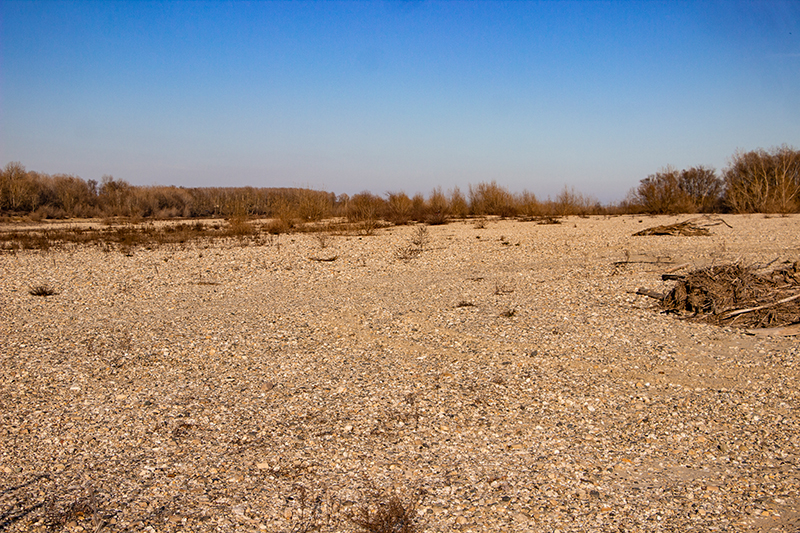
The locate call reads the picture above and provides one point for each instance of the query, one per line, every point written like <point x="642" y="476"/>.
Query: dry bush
<point x="416" y="244"/>
<point x="703" y="187"/>
<point x="41" y="290"/>
<point x="240" y="227"/>
<point x="398" y="208"/>
<point x="570" y="202"/>
<point x="313" y="205"/>
<point x="661" y="194"/>
<point x="437" y="208"/>
<point x="491" y="199"/>
<point x="363" y="207"/>
<point x="387" y="512"/>
<point x="527" y="205"/>
<point x="458" y="204"/>
<point x="418" y="207"/>
<point x="17" y="191"/>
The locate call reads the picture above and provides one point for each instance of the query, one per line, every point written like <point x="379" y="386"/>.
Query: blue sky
<point x="390" y="96"/>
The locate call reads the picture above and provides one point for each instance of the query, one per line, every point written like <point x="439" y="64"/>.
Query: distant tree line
<point x="759" y="181"/>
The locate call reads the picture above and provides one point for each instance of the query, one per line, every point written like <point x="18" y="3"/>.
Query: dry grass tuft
<point x="508" y="313"/>
<point x="387" y="513"/>
<point x="41" y="290"/>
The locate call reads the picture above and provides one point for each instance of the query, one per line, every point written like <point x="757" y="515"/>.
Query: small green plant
<point x="41" y="290"/>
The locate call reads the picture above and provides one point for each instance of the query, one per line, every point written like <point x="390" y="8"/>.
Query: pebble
<point x="291" y="385"/>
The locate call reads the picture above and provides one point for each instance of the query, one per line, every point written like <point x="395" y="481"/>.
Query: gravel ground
<point x="507" y="377"/>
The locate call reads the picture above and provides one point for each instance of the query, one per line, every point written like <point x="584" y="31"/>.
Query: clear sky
<point x="390" y="96"/>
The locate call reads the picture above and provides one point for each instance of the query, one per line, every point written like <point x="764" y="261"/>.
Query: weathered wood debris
<point x="736" y="295"/>
<point x="693" y="227"/>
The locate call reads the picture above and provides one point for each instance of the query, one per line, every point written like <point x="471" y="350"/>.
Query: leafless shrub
<point x="314" y="510"/>
<point x="416" y="245"/>
<point x="240" y="227"/>
<point x="277" y="226"/>
<point x="399" y="208"/>
<point x="764" y="181"/>
<point x="491" y="199"/>
<point x="703" y="187"/>
<point x="387" y="512"/>
<point x="458" y="204"/>
<point x="421" y="237"/>
<point x="41" y="290"/>
<point x="527" y="205"/>
<point x="363" y="207"/>
<point x="661" y="193"/>
<point x="438" y="208"/>
<point x="407" y="253"/>
<point x="323" y="238"/>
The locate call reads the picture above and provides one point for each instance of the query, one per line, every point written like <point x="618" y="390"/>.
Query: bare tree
<point x="703" y="187"/>
<point x="763" y="181"/>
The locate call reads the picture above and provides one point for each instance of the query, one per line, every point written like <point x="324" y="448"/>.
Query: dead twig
<point x="676" y="268"/>
<point x="731" y="314"/>
<point x="650" y="294"/>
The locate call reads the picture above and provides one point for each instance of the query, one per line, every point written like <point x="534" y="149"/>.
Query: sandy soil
<point x="505" y="377"/>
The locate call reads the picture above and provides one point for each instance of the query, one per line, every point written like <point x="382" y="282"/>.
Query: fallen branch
<point x="324" y="259"/>
<point x="673" y="269"/>
<point x="658" y="261"/>
<point x="650" y="294"/>
<point x="730" y="314"/>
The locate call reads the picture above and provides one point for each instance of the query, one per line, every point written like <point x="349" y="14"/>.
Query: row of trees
<point x="759" y="181"/>
<point x="763" y="181"/>
<point x="62" y="196"/>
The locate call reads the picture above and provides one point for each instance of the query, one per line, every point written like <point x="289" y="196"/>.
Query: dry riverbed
<point x="507" y="377"/>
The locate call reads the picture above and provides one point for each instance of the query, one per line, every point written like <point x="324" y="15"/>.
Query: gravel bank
<point x="508" y="374"/>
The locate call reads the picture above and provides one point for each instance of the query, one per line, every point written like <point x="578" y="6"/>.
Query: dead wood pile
<point x="738" y="295"/>
<point x="693" y="227"/>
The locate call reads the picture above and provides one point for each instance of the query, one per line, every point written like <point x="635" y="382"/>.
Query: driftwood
<point x="731" y="314"/>
<point x="642" y="291"/>
<point x="694" y="227"/>
<point x="735" y="295"/>
<point x="676" y="268"/>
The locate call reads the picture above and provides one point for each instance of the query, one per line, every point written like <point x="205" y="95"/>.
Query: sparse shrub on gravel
<point x="42" y="290"/>
<point x="387" y="512"/>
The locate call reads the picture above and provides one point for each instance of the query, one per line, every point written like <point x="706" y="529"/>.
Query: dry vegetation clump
<point x="417" y="243"/>
<point x="387" y="513"/>
<point x="41" y="290"/>
<point x="694" y="227"/>
<point x="738" y="295"/>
